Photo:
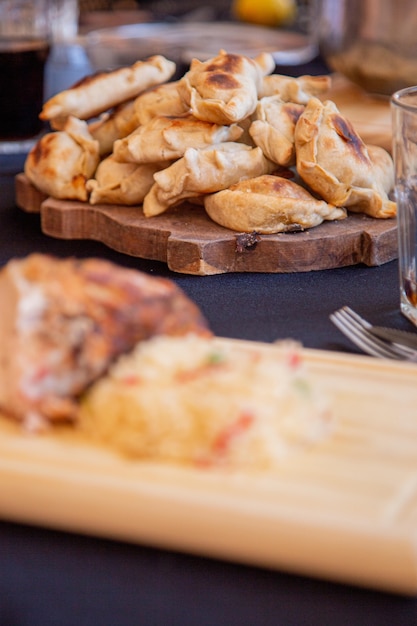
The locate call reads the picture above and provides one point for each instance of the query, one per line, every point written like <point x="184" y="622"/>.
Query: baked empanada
<point x="96" y="94"/>
<point x="115" y="125"/>
<point x="167" y="138"/>
<point x="298" y="90"/>
<point x="335" y="163"/>
<point x="61" y="162"/>
<point x="224" y="89"/>
<point x="374" y="200"/>
<point x="121" y="183"/>
<point x="273" y="129"/>
<point x="160" y="101"/>
<point x="268" y="204"/>
<point x="204" y="171"/>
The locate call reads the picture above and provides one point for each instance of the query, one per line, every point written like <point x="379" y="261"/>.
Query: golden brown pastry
<point x="98" y="93"/>
<point x="167" y="138"/>
<point x="373" y="200"/>
<point x="298" y="90"/>
<point x="61" y="162"/>
<point x="115" y="125"/>
<point x="273" y="129"/>
<point x="269" y="204"/>
<point x="121" y="183"/>
<point x="65" y="320"/>
<point x="160" y="101"/>
<point x="204" y="171"/>
<point x="224" y="89"/>
<point x="335" y="163"/>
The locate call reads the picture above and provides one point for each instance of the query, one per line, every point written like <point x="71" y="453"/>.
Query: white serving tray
<point x="346" y="510"/>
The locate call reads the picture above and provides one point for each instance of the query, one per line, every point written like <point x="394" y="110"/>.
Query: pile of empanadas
<point x="262" y="152"/>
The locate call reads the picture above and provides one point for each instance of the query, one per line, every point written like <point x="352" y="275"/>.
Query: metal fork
<point x="358" y="330"/>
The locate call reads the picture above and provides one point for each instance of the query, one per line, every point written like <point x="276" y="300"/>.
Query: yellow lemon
<point x="265" y="12"/>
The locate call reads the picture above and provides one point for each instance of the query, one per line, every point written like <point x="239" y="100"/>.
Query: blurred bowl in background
<point x="109" y="48"/>
<point x="371" y="42"/>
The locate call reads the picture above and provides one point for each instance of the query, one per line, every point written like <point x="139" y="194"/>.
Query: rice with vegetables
<point x="199" y="401"/>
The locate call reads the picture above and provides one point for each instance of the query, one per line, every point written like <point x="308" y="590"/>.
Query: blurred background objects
<point x="371" y="42"/>
<point x="161" y="10"/>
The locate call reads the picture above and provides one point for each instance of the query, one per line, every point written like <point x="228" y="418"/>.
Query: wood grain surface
<point x="345" y="510"/>
<point x="189" y="242"/>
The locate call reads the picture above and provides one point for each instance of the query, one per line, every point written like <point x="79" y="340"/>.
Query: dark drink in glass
<point x="22" y="65"/>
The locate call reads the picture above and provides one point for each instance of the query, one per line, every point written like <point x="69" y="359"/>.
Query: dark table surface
<point x="53" y="578"/>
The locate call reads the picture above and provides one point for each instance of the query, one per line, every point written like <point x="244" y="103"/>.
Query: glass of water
<point x="404" y="118"/>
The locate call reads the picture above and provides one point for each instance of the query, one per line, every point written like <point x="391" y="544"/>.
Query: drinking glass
<point x="24" y="49"/>
<point x="63" y="19"/>
<point x="404" y="117"/>
<point x="299" y="34"/>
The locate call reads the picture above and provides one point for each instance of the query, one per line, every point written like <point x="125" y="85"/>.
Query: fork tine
<point x="360" y="320"/>
<point x="358" y="333"/>
<point x="363" y="326"/>
<point x="409" y="353"/>
<point x="359" y="341"/>
<point x="404" y="351"/>
<point x="358" y="337"/>
<point x="359" y="328"/>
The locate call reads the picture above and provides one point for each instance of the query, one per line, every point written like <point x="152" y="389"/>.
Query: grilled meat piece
<point x="64" y="321"/>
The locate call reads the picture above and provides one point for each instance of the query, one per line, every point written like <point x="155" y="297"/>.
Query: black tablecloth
<point x="52" y="578"/>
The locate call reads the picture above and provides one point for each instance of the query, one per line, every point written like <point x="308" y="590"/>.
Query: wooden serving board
<point x="344" y="510"/>
<point x="191" y="243"/>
